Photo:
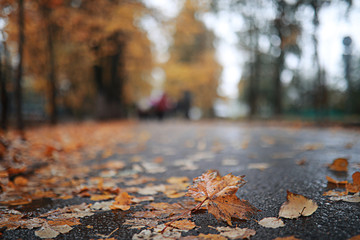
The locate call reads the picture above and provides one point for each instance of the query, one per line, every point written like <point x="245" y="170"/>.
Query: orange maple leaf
<point x="220" y="194"/>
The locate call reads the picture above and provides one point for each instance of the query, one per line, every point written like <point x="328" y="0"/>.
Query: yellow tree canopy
<point x="192" y="65"/>
<point x="78" y="29"/>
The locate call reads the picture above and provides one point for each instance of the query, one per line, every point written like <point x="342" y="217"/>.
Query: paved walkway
<point x="274" y="159"/>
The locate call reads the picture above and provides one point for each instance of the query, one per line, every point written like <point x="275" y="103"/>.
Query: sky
<point x="333" y="27"/>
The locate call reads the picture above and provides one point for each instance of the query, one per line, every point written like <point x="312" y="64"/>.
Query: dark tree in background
<point x="46" y="9"/>
<point x="19" y="74"/>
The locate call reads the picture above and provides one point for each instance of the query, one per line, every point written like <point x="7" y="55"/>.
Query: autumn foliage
<point x="220" y="194"/>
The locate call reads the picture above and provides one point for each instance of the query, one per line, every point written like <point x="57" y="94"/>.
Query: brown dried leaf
<point x="122" y="201"/>
<point x="136" y="223"/>
<point x="177" y="180"/>
<point x="355" y="185"/>
<point x="142" y="199"/>
<point x="183" y="224"/>
<point x="357" y="237"/>
<point x="163" y="210"/>
<point x="236" y="233"/>
<point x="101" y="197"/>
<point x="333" y="193"/>
<point x="271" y="222"/>
<point x="202" y="236"/>
<point x="339" y="164"/>
<point x="301" y="162"/>
<point x="46" y="232"/>
<point x="220" y="193"/>
<point x="287" y="238"/>
<point x="59" y="222"/>
<point x="337" y="183"/>
<point x="348" y="198"/>
<point x="21" y="181"/>
<point x="259" y="166"/>
<point x="296" y="206"/>
<point x="16" y="202"/>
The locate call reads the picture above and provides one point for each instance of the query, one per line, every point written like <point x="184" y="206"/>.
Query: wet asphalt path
<point x="191" y="148"/>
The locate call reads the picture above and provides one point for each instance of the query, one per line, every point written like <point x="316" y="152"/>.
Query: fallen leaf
<point x="103" y="206"/>
<point x="333" y="193"/>
<point x="142" y="199"/>
<point x="282" y="155"/>
<point x="301" y="162"/>
<point x="183" y="224"/>
<point x="21" y="181"/>
<point x="136" y="223"/>
<point x="236" y="233"/>
<point x="158" y="160"/>
<point x="339" y="165"/>
<point x="174" y="194"/>
<point x="287" y="238"/>
<point x="177" y="180"/>
<point x="220" y="193"/>
<point x="296" y="206"/>
<point x="101" y="197"/>
<point x="62" y="222"/>
<point x="259" y="166"/>
<point x="337" y="183"/>
<point x="312" y="147"/>
<point x="355" y="185"/>
<point x="230" y="162"/>
<point x="62" y="228"/>
<point x="46" y="232"/>
<point x="271" y="222"/>
<point x="202" y="236"/>
<point x="140" y="180"/>
<point x="348" y="198"/>
<point x="357" y="237"/>
<point x="122" y="202"/>
<point x="16" y="202"/>
<point x="349" y="145"/>
<point x="163" y="210"/>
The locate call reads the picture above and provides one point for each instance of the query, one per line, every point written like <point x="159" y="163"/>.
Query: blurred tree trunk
<point x="254" y="85"/>
<point x="3" y="92"/>
<point x="320" y="89"/>
<point x="109" y="79"/>
<point x="279" y="25"/>
<point x="50" y="33"/>
<point x="255" y="72"/>
<point x="278" y="110"/>
<point x="18" y="79"/>
<point x="52" y="75"/>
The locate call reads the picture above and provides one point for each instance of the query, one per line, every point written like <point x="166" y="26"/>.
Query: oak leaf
<point x="296" y="206"/>
<point x="220" y="194"/>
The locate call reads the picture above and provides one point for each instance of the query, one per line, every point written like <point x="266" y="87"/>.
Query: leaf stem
<point x="184" y="213"/>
